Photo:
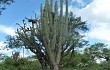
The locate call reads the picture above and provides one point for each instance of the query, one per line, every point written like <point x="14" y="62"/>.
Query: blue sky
<point x="95" y="12"/>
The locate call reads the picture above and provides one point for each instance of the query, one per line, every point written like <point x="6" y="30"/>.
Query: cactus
<point x="55" y="29"/>
<point x="51" y="31"/>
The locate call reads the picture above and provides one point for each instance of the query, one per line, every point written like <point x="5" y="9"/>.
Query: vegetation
<point x="3" y="4"/>
<point x="20" y="64"/>
<point x="81" y="61"/>
<point x="54" y="39"/>
<point x="51" y="37"/>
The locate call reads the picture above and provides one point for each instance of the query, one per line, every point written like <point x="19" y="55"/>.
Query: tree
<point x="51" y="37"/>
<point x="96" y="51"/>
<point x="2" y="57"/>
<point x="3" y="4"/>
<point x="20" y="64"/>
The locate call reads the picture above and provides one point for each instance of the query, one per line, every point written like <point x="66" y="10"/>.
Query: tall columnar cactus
<point x="54" y="29"/>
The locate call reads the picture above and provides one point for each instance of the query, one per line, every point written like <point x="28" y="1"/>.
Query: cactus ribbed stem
<point x="54" y="29"/>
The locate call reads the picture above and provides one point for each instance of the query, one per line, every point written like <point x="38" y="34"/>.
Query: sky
<point x="95" y="12"/>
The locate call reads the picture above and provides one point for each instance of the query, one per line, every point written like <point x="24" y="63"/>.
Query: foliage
<point x="86" y="60"/>
<point x="20" y="64"/>
<point x="81" y="61"/>
<point x="3" y="4"/>
<point x="54" y="38"/>
<point x="2" y="57"/>
<point x="12" y="42"/>
<point x="97" y="50"/>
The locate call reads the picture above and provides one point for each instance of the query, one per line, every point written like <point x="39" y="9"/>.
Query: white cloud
<point x="96" y="11"/>
<point x="2" y="45"/>
<point x="101" y="32"/>
<point x="7" y="30"/>
<point x="3" y="49"/>
<point x="97" y="14"/>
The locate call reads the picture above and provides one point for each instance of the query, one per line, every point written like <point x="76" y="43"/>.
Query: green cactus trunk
<point x="54" y="30"/>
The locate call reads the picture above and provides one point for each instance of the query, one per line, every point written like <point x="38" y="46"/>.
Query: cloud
<point x="4" y="50"/>
<point x="7" y="30"/>
<point x="2" y="45"/>
<point x="101" y="32"/>
<point x="96" y="11"/>
<point x="97" y="15"/>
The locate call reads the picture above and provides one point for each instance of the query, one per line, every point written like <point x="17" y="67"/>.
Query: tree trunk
<point x="54" y="67"/>
<point x="43" y="64"/>
<point x="44" y="67"/>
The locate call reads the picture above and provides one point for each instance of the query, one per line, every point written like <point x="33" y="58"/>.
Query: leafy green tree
<point x="96" y="51"/>
<point x="51" y="37"/>
<point x="3" y="4"/>
<point x="20" y="64"/>
<point x="1" y="57"/>
<point x="86" y="60"/>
